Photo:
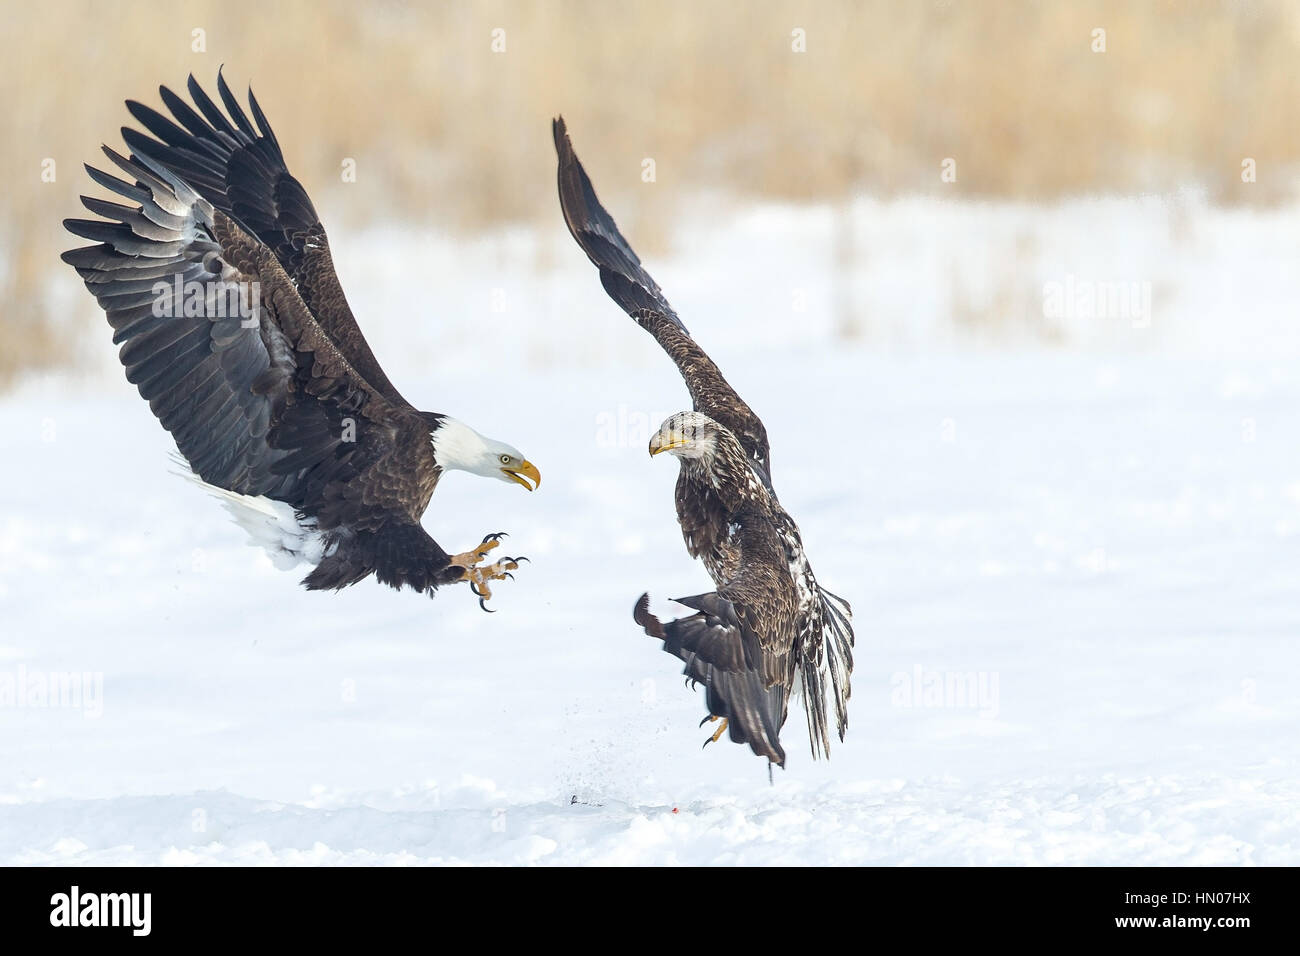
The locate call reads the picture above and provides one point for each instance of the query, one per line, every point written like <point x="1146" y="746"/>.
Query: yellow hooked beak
<point x="526" y="470"/>
<point x="664" y="442"/>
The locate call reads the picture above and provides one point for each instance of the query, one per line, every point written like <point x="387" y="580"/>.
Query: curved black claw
<point x="474" y="587"/>
<point x="494" y="536"/>
<point x="507" y="574"/>
<point x="485" y="607"/>
<point x="707" y="741"/>
<point x="707" y="718"/>
<point x="517" y="560"/>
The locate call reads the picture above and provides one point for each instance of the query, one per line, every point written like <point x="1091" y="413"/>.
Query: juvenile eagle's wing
<point x="631" y="287"/>
<point x="261" y="402"/>
<point x="740" y="642"/>
<point x="240" y="170"/>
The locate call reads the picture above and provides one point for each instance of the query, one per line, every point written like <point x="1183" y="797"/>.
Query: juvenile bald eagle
<point x="217" y="280"/>
<point x="769" y="627"/>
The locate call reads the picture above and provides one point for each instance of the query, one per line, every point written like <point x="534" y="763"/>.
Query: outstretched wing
<point x="631" y="287"/>
<point x="239" y="169"/>
<point x="739" y="642"/>
<point x="260" y="400"/>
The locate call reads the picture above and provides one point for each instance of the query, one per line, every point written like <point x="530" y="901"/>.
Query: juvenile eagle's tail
<point x="832" y="660"/>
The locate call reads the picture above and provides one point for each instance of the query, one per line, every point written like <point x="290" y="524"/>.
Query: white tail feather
<point x="271" y="525"/>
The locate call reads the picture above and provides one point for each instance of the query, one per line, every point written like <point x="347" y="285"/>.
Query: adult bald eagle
<point x="217" y="279"/>
<point x="769" y="627"/>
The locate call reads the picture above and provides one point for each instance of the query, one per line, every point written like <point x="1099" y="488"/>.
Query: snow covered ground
<point x="1073" y="570"/>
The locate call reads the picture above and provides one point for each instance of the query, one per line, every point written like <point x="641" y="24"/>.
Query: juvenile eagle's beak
<point x="662" y="442"/>
<point x="526" y="470"/>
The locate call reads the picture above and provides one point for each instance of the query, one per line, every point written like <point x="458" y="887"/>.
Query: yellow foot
<point x="478" y="577"/>
<point x="717" y="733"/>
<point x="467" y="559"/>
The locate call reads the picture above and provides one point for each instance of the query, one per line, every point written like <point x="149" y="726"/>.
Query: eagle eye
<point x="505" y="459"/>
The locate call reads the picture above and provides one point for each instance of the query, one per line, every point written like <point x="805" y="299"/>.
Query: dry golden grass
<point x="446" y="131"/>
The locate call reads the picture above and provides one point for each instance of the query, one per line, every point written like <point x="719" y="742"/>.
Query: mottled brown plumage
<point x="769" y="626"/>
<point x="283" y="403"/>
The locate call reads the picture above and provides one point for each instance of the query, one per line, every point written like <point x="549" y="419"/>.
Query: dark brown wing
<point x="260" y="400"/>
<point x="240" y="170"/>
<point x="631" y="287"/>
<point x="740" y="641"/>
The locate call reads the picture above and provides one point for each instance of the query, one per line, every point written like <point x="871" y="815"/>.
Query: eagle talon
<point x="716" y="734"/>
<point x="468" y="559"/>
<point x="478" y="577"/>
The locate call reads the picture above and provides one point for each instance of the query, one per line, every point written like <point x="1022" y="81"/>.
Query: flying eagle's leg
<point x="717" y="733"/>
<point x="478" y="578"/>
<point x="467" y="559"/>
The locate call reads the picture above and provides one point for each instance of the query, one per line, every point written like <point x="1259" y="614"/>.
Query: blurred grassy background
<point x="446" y="132"/>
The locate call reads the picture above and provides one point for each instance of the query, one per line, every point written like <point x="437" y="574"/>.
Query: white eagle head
<point x="457" y="447"/>
<point x="687" y="435"/>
